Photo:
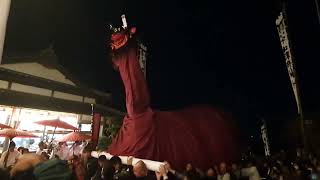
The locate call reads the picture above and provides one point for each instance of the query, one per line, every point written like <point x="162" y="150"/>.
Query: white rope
<point x="151" y="165"/>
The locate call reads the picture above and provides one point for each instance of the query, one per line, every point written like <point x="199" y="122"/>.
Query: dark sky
<point x="224" y="53"/>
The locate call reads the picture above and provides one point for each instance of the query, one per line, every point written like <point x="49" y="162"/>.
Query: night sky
<point x="222" y="53"/>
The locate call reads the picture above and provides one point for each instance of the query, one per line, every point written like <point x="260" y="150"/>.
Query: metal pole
<point x="44" y="133"/>
<point x="54" y="131"/>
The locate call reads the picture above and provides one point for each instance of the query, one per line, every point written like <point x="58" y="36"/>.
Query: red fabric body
<point x="202" y="135"/>
<point x="137" y="93"/>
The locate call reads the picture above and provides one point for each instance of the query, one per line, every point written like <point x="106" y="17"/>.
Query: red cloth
<point x="96" y="120"/>
<point x="202" y="135"/>
<point x="137" y="93"/>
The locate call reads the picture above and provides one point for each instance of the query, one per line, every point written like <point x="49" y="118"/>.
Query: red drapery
<point x="96" y="121"/>
<point x="202" y="135"/>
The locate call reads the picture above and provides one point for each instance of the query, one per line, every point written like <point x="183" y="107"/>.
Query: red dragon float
<point x="200" y="134"/>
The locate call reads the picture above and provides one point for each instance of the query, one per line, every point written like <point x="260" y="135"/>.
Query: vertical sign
<point x="285" y="44"/>
<point x="282" y="27"/>
<point x="96" y="119"/>
<point x="95" y="126"/>
<point x="143" y="58"/>
<point x="264" y="135"/>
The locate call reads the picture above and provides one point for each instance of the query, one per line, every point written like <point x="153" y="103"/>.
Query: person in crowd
<point x="118" y="167"/>
<point x="264" y="169"/>
<point x="32" y="167"/>
<point x="162" y="173"/>
<point x="61" y="151"/>
<point x="250" y="171"/>
<point x="24" y="151"/>
<point x="98" y="172"/>
<point x="192" y="172"/>
<point x="41" y="147"/>
<point x="20" y="149"/>
<point x="276" y="167"/>
<point x="200" y="172"/>
<point x="211" y="174"/>
<point x="223" y="174"/>
<point x="173" y="174"/>
<point x="24" y="167"/>
<point x="90" y="163"/>
<point x="189" y="167"/>
<point x="140" y="169"/>
<point x="9" y="158"/>
<point x="235" y="172"/>
<point x="77" y="168"/>
<point x="45" y="156"/>
<point x="106" y="169"/>
<point x="76" y="149"/>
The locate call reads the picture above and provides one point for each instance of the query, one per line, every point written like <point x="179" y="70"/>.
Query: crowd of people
<point x="61" y="150"/>
<point x="76" y="163"/>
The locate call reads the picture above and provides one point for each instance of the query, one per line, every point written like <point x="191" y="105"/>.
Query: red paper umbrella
<point x="74" y="136"/>
<point x="12" y="133"/>
<point x="57" y="123"/>
<point x="3" y="126"/>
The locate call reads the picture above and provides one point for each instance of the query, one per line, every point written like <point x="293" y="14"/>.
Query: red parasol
<point x="3" y="126"/>
<point x="74" y="136"/>
<point x="57" y="123"/>
<point x="12" y="133"/>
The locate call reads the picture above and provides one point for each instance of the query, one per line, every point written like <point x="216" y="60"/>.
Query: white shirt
<point x="225" y="176"/>
<point x="12" y="158"/>
<point x="61" y="151"/>
<point x="251" y="172"/>
<point x="75" y="150"/>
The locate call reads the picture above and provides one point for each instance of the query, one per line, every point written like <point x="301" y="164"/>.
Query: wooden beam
<point x="20" y="99"/>
<point x="22" y="78"/>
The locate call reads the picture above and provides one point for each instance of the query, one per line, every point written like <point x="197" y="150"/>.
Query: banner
<point x="142" y="52"/>
<point x="281" y="23"/>
<point x="95" y="130"/>
<point x="264" y="135"/>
